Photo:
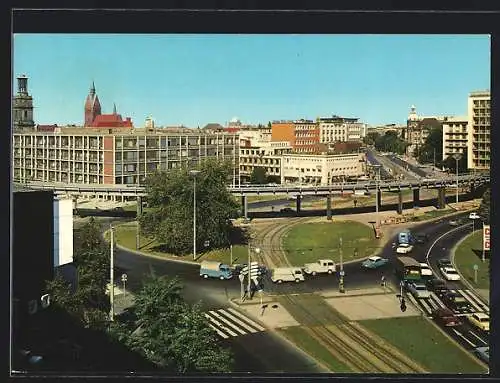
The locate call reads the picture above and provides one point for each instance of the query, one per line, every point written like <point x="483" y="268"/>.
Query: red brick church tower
<point x="92" y="107"/>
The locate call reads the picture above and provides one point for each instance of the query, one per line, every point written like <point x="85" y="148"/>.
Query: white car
<point x="474" y="215"/>
<point x="425" y="270"/>
<point x="418" y="290"/>
<point x="404" y="248"/>
<point x="450" y="274"/>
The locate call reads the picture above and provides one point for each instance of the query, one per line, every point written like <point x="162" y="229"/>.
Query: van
<point x="214" y="269"/>
<point x="287" y="274"/>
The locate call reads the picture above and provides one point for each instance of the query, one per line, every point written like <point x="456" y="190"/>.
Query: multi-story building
<point x="335" y="128"/>
<point x="455" y="136"/>
<point x="303" y="135"/>
<point x="479" y="128"/>
<point x="419" y="127"/>
<point x="321" y="169"/>
<point x="22" y="108"/>
<point x="261" y="154"/>
<point x="115" y="155"/>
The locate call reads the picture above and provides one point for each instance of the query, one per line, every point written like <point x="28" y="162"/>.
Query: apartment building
<point x="479" y="128"/>
<point x="455" y="136"/>
<point x="303" y="135"/>
<point x="321" y="169"/>
<point x="335" y="128"/>
<point x="114" y="156"/>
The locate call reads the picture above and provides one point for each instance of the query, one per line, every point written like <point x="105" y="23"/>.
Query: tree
<point x="451" y="164"/>
<point x="432" y="148"/>
<point x="258" y="175"/>
<point x="89" y="303"/>
<point x="173" y="334"/>
<point x="484" y="208"/>
<point x="371" y="137"/>
<point x="170" y="198"/>
<point x="390" y="142"/>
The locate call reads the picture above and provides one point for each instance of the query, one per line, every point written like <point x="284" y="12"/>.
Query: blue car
<point x="374" y="262"/>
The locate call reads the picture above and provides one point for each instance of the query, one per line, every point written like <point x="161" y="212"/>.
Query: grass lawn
<point x="125" y="235"/>
<point x="433" y="214"/>
<point x="301" y="338"/>
<point x="425" y="344"/>
<point x="312" y="241"/>
<point x="468" y="254"/>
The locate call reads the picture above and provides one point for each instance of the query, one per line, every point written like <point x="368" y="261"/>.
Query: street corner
<point x="373" y="306"/>
<point x="271" y="314"/>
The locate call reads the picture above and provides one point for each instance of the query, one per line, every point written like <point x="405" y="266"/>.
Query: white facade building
<point x="63" y="231"/>
<point x="479" y="130"/>
<point x="335" y="128"/>
<point x="455" y="136"/>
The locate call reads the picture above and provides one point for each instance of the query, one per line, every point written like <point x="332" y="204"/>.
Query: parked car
<point x="454" y="222"/>
<point x="404" y="248"/>
<point x="214" y="269"/>
<point x="437" y="285"/>
<point x="421" y="238"/>
<point x="446" y="317"/>
<point x="444" y="262"/>
<point x="418" y="290"/>
<point x="374" y="262"/>
<point x="287" y="274"/>
<point x="286" y="210"/>
<point x="480" y="320"/>
<point x="474" y="215"/>
<point x="455" y="301"/>
<point x="426" y="271"/>
<point x="483" y="353"/>
<point x="449" y="273"/>
<point x="320" y="266"/>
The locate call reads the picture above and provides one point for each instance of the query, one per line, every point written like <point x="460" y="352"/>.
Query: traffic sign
<point x="475" y="267"/>
<point x="241" y="277"/>
<point x="124" y="277"/>
<point x="342" y="273"/>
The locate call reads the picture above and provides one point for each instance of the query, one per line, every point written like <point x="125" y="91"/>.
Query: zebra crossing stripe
<point x="434" y="305"/>
<point x="476" y="302"/>
<point x="478" y="338"/>
<point x="426" y="305"/>
<point x="214" y="313"/>
<point x="464" y="338"/>
<point x="220" y="325"/>
<point x="436" y="299"/>
<point x="234" y="319"/>
<point x="244" y="318"/>
<point x="218" y="331"/>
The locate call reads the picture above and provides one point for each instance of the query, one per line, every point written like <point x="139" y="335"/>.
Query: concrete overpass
<point x="469" y="181"/>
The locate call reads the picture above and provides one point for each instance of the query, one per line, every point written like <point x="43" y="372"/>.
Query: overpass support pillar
<point x="416" y="197"/>
<point x="400" y="202"/>
<point x="139" y="206"/>
<point x="441" y="198"/>
<point x="472" y="189"/>
<point x="378" y="193"/>
<point x="297" y="203"/>
<point x="75" y="203"/>
<point x="244" y="206"/>
<point x="329" y="207"/>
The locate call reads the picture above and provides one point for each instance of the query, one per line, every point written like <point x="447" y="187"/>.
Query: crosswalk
<point x="229" y="322"/>
<point x="474" y="303"/>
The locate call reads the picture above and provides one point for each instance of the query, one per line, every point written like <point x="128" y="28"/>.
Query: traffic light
<point x="403" y="305"/>
<point x="255" y="273"/>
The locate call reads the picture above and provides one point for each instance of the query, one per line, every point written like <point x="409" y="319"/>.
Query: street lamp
<point x="112" y="274"/>
<point x="194" y="173"/>
<point x="377" y="180"/>
<point x="257" y="251"/>
<point x="457" y="157"/>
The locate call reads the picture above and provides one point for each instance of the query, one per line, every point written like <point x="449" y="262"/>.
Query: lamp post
<point x="457" y="157"/>
<point x="257" y="251"/>
<point x="112" y="275"/>
<point x="194" y="173"/>
<point x="377" y="180"/>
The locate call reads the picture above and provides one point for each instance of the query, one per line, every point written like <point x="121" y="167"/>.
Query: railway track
<point x="348" y="341"/>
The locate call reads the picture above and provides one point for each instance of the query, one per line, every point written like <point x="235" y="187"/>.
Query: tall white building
<point x="455" y="136"/>
<point x="479" y="121"/>
<point x="335" y="128"/>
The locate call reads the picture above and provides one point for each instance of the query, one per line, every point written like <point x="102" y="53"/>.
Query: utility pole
<point x="112" y="276"/>
<point x="248" y="275"/>
<point x="231" y="252"/>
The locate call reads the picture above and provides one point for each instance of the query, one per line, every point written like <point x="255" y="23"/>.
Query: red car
<point x="446" y="317"/>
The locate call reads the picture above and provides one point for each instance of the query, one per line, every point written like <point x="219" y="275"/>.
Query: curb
<point x="286" y="340"/>
<point x="462" y="278"/>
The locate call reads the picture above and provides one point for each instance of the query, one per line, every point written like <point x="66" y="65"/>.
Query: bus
<point x="406" y="236"/>
<point x="408" y="269"/>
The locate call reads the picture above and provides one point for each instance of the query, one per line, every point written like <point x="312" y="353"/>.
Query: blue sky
<point x="197" y="79"/>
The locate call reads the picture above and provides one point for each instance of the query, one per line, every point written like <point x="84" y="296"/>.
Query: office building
<point x="479" y="128"/>
<point x="303" y="135"/>
<point x="455" y="136"/>
<point x="335" y="128"/>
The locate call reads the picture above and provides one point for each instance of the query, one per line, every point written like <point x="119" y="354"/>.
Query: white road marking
<point x="425" y="304"/>
<point x="436" y="299"/>
<point x="478" y="337"/>
<point x="241" y="323"/>
<point x="220" y="325"/>
<point x="227" y="322"/>
<point x="218" y="331"/>
<point x="475" y="301"/>
<point x="464" y="338"/>
<point x="248" y="320"/>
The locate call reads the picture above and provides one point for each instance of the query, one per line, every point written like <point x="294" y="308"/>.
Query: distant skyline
<point x="193" y="80"/>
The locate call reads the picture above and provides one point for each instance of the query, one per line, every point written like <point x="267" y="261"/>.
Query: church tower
<point x="22" y="110"/>
<point x="92" y="107"/>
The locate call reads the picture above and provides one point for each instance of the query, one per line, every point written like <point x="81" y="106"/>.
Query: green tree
<point x="89" y="303"/>
<point x="173" y="334"/>
<point x="258" y="175"/>
<point x="170" y="199"/>
<point x="371" y="137"/>
<point x="390" y="142"/>
<point x="484" y="208"/>
<point x="451" y="164"/>
<point x="432" y="147"/>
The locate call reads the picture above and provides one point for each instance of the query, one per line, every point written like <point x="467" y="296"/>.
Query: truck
<point x="287" y="274"/>
<point x="320" y="266"/>
<point x="214" y="269"/>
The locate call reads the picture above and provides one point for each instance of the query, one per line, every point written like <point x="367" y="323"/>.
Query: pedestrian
<point x="382" y="281"/>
